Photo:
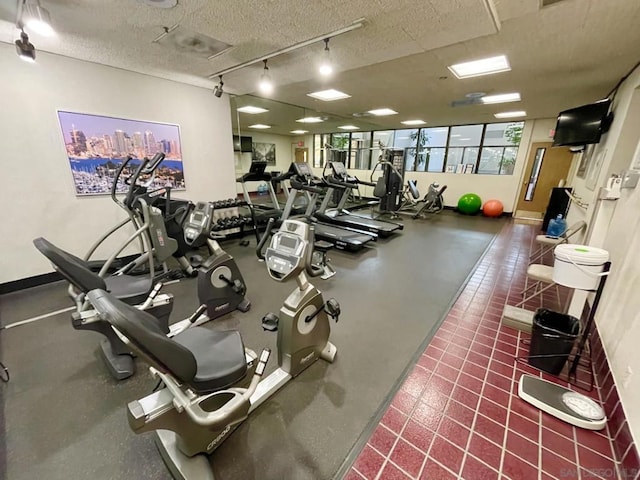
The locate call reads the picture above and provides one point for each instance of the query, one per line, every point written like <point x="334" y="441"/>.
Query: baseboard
<point x="29" y="282"/>
<point x="455" y="209"/>
<point x="625" y="449"/>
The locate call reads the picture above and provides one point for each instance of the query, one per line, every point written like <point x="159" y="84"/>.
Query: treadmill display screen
<point x="303" y="169"/>
<point x="339" y="169"/>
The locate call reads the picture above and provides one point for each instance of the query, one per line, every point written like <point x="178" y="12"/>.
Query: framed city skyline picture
<point x="96" y="145"/>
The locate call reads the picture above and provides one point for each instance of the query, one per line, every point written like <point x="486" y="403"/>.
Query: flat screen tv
<point x="583" y="125"/>
<point x="242" y="144"/>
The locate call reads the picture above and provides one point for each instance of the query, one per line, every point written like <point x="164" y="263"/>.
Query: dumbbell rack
<point x="227" y="222"/>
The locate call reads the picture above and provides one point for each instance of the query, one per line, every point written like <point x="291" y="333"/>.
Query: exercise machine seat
<point x="128" y="288"/>
<point x="204" y="359"/>
<point x="219" y="355"/>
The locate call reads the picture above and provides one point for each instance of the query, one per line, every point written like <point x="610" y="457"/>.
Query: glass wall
<point x="483" y="149"/>
<point x="432" y="149"/>
<point x="360" y="152"/>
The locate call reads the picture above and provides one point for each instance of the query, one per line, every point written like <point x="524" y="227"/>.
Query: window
<point x="384" y="138"/>
<point x="319" y="142"/>
<point x="406" y="140"/>
<point x="340" y="148"/>
<point x="500" y="148"/>
<point x="489" y="149"/>
<point x="360" y="152"/>
<point x="464" y="146"/>
<point x="432" y="144"/>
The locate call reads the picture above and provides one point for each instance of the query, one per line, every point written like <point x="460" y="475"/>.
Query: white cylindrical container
<point x="578" y="266"/>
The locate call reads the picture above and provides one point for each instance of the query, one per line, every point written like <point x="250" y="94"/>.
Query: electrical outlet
<point x="627" y="377"/>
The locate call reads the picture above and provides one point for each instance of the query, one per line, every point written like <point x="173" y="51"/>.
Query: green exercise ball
<point x="469" y="204"/>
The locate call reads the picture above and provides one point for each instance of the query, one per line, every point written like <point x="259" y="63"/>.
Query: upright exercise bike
<point x="211" y="381"/>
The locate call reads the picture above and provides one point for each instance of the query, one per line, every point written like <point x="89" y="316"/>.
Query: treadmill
<point x="341" y="180"/>
<point x="260" y="212"/>
<point x="304" y="181"/>
<point x="299" y="204"/>
<point x="257" y="174"/>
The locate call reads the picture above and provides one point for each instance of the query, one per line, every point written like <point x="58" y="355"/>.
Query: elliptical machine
<point x="211" y="381"/>
<point x="221" y="289"/>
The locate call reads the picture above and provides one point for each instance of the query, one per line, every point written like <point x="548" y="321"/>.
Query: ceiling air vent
<point x="186" y="41"/>
<point x="546" y="3"/>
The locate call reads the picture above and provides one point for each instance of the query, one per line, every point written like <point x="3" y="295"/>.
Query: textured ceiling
<point x="569" y="53"/>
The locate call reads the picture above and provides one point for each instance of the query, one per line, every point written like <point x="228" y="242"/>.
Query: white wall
<point x="615" y="226"/>
<point x="38" y="195"/>
<point x="285" y="145"/>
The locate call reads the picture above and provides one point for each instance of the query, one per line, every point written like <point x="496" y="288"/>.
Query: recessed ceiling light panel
<point x="519" y="113"/>
<point x="501" y="98"/>
<point x="485" y="66"/>
<point x="329" y="95"/>
<point x="299" y="132"/>
<point x="251" y="109"/>
<point x="349" y="127"/>
<point x="309" y="120"/>
<point x="260" y="126"/>
<point x="382" y="111"/>
<point x="413" y="122"/>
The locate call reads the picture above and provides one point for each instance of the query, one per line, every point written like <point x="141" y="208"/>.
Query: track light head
<point x="217" y="90"/>
<point x="25" y="48"/>
<point x="265" y="85"/>
<point x="36" y="18"/>
<point x="326" y="67"/>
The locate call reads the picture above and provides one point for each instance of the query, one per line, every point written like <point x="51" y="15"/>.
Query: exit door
<point x="546" y="166"/>
<point x="301" y="155"/>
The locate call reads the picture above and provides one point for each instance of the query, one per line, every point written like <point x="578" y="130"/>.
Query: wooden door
<point x="302" y="155"/>
<point x="546" y="166"/>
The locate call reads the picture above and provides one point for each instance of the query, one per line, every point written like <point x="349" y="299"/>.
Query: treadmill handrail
<point x="299" y="185"/>
<point x="338" y="183"/>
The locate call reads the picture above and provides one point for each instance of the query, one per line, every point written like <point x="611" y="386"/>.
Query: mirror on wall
<point x="281" y="133"/>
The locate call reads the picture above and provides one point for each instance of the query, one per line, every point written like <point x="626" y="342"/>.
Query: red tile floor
<point x="458" y="415"/>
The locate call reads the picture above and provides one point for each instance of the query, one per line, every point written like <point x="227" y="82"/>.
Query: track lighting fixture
<point x="36" y="18"/>
<point x="217" y="90"/>
<point x="265" y="85"/>
<point x="326" y="68"/>
<point x="25" y="48"/>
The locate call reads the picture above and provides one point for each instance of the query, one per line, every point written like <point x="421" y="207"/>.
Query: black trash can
<point x="552" y="338"/>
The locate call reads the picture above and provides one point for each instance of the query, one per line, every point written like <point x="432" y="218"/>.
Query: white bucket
<point x="578" y="266"/>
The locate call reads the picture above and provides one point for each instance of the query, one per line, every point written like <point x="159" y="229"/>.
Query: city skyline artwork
<point x="96" y="146"/>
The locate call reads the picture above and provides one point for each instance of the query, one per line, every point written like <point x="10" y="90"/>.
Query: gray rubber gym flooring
<point x="64" y="416"/>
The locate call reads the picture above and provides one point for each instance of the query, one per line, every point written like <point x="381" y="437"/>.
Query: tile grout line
<point x="477" y="410"/>
<point x="450" y="397"/>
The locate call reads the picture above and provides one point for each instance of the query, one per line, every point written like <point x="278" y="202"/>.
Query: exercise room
<point x="360" y="240"/>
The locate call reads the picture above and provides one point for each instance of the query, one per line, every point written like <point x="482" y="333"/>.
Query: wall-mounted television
<point x="242" y="144"/>
<point x="583" y="125"/>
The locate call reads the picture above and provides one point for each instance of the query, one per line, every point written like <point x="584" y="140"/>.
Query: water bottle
<point x="556" y="227"/>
